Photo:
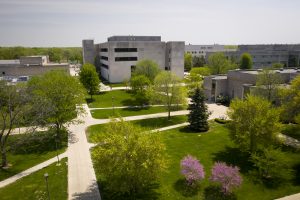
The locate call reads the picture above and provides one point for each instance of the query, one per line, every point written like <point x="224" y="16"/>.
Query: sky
<point x="48" y="23"/>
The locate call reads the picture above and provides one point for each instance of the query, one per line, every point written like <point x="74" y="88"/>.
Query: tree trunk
<point x="3" y="154"/>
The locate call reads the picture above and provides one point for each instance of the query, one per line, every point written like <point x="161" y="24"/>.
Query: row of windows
<point x="103" y="50"/>
<point x="104" y="57"/>
<point x="195" y="52"/>
<point x="125" y="49"/>
<point x="118" y="59"/>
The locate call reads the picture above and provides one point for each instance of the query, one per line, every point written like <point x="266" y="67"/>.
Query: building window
<point x="125" y="49"/>
<point x="104" y="65"/>
<point x="103" y="50"/>
<point x="3" y="73"/>
<point x="167" y="68"/>
<point x="104" y="58"/>
<point x="119" y="59"/>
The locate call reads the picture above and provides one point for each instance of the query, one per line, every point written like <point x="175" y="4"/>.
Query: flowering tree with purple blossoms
<point x="228" y="176"/>
<point x="192" y="170"/>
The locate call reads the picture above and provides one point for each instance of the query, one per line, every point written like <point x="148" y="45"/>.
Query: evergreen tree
<point x="198" y="112"/>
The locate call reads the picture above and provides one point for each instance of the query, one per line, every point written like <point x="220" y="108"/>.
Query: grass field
<point x="25" y="151"/>
<point x="125" y="112"/>
<point x="148" y="124"/>
<point x="34" y="186"/>
<point x="214" y="145"/>
<point x="112" y="98"/>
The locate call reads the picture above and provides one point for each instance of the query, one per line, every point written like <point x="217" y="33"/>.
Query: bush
<point x="221" y="121"/>
<point x="192" y="170"/>
<point x="228" y="176"/>
<point x="224" y="100"/>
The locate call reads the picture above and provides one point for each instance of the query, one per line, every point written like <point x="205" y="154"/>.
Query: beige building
<point x="118" y="56"/>
<point x="238" y="83"/>
<point x="29" y="66"/>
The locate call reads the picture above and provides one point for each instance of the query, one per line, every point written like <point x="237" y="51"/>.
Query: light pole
<point x="46" y="179"/>
<point x="112" y="100"/>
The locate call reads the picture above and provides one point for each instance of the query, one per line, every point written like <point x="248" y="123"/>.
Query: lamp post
<point x="46" y="175"/>
<point x="112" y="100"/>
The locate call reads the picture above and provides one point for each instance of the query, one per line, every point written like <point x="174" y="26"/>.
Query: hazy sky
<point x="67" y="22"/>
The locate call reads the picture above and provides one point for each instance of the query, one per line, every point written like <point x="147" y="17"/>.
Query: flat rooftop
<point x="9" y="62"/>
<point x="134" y="38"/>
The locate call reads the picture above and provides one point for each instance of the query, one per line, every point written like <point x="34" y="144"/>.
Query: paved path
<point x="121" y="107"/>
<point x="82" y="182"/>
<point x="30" y="170"/>
<point x="291" y="197"/>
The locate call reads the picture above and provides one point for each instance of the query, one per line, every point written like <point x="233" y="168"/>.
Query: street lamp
<point x="112" y="100"/>
<point x="46" y="175"/>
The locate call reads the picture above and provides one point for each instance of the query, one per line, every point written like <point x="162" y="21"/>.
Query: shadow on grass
<point x="135" y="109"/>
<point x="215" y="193"/>
<point x="235" y="157"/>
<point x="186" y="191"/>
<point x="186" y="129"/>
<point x="89" y="100"/>
<point x="297" y="174"/>
<point x="148" y="193"/>
<point x="292" y="130"/>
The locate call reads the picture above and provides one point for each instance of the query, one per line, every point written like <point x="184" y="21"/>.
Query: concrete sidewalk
<point x="30" y="170"/>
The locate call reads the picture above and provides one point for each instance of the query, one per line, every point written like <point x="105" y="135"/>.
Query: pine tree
<point x="198" y="112"/>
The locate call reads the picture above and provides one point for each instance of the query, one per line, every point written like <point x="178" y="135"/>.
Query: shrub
<point x="192" y="170"/>
<point x="227" y="176"/>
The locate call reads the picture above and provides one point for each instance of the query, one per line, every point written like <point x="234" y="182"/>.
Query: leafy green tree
<point x="290" y="101"/>
<point x="272" y="164"/>
<point x="198" y="61"/>
<point x="89" y="78"/>
<point x="255" y="123"/>
<point x="267" y="84"/>
<point x="246" y="61"/>
<point x="219" y="64"/>
<point x="139" y="85"/>
<point x="127" y="158"/>
<point x="168" y="90"/>
<point x="188" y="61"/>
<point x="198" y="112"/>
<point x="202" y="71"/>
<point x="62" y="93"/>
<point x="14" y="106"/>
<point x="147" y="68"/>
<point x="277" y="65"/>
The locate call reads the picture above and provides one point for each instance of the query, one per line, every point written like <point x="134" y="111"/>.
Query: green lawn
<point x="34" y="186"/>
<point x="117" y="84"/>
<point x="148" y="124"/>
<point x="215" y="145"/>
<point x="125" y="112"/>
<point x="104" y="99"/>
<point x="25" y="151"/>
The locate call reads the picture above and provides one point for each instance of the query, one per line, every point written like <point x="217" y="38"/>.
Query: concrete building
<point x="88" y="51"/>
<point x="238" y="83"/>
<point x="203" y="50"/>
<point x="118" y="56"/>
<point x="266" y="55"/>
<point x="29" y="66"/>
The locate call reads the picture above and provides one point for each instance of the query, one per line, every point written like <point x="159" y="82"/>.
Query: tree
<point x="192" y="170"/>
<point x="270" y="163"/>
<point x="246" y="61"/>
<point x="89" y="78"/>
<point x="128" y="159"/>
<point x="290" y="101"/>
<point x="198" y="61"/>
<point x="201" y="71"/>
<point x="267" y="84"/>
<point x="188" y="61"/>
<point x="168" y="90"/>
<point x="139" y="85"/>
<point x="147" y="68"/>
<point x="63" y="93"/>
<point x="14" y="106"/>
<point x="255" y="123"/>
<point x="219" y="64"/>
<point x="228" y="176"/>
<point x="198" y="112"/>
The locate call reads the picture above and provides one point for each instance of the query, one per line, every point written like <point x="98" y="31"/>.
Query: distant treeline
<point x="56" y="54"/>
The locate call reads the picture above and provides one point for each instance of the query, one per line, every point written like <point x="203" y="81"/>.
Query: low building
<point x="203" y="50"/>
<point x="117" y="57"/>
<point x="28" y="66"/>
<point x="238" y="83"/>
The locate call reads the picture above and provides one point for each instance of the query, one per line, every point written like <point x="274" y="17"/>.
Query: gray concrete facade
<point x="119" y="55"/>
<point x="238" y="83"/>
<point x="29" y="66"/>
<point x="88" y="51"/>
<point x="202" y="50"/>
